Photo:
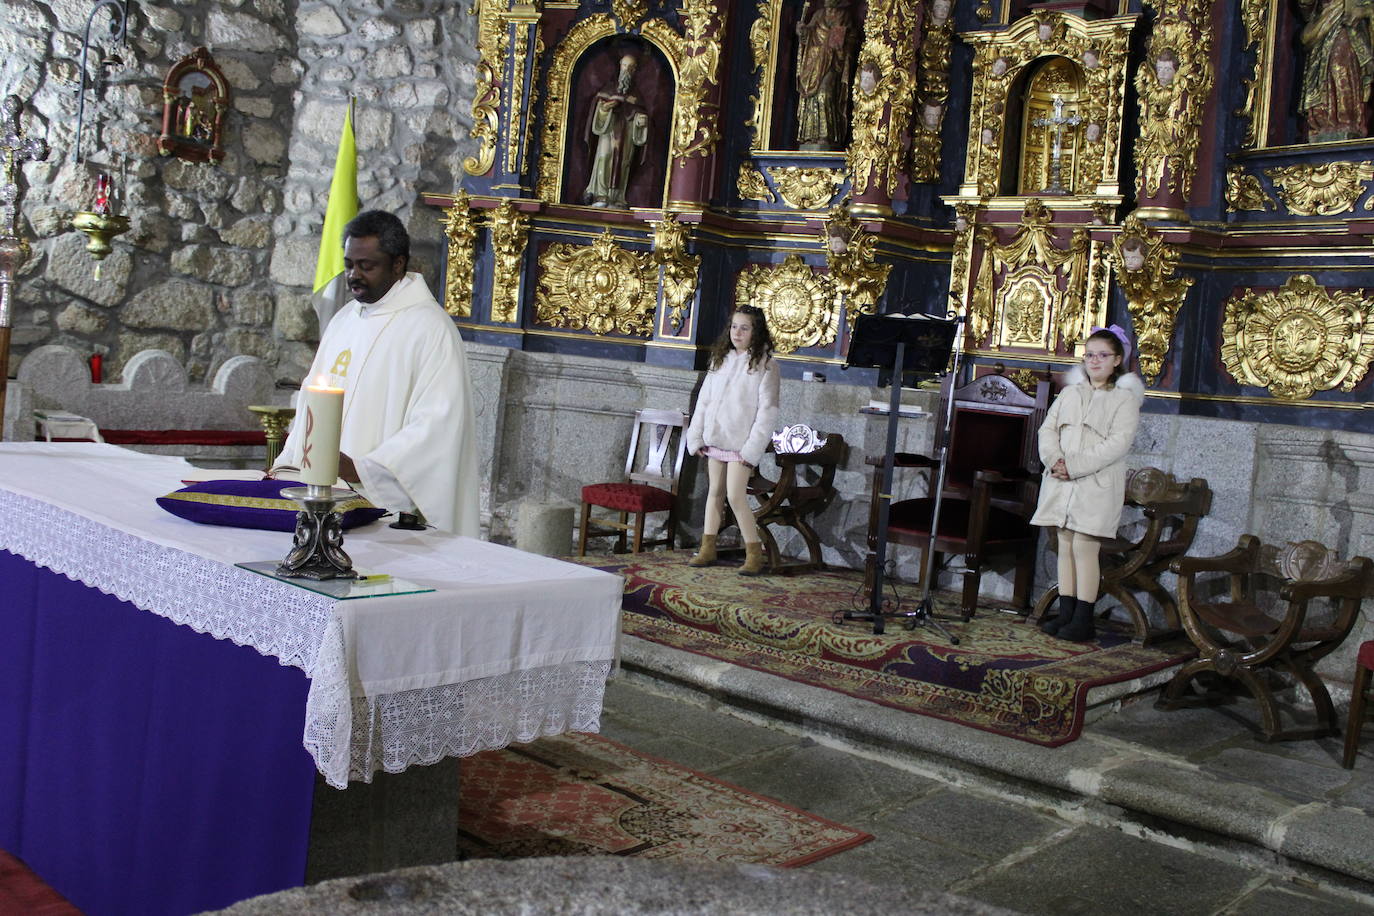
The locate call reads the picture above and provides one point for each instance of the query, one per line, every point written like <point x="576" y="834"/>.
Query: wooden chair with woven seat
<point x="1364" y="666"/>
<point x="1132" y="564"/>
<point x="992" y="480"/>
<point x="799" y="451"/>
<point x="1268" y="620"/>
<point x="653" y="467"/>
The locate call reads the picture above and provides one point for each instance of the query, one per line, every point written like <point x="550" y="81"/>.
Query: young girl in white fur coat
<point x="1083" y="445"/>
<point x="733" y="421"/>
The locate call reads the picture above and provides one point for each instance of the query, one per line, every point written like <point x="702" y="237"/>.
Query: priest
<point x="408" y="423"/>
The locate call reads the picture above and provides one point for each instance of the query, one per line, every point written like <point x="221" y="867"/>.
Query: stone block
<point x="293" y="261"/>
<point x="545" y="528"/>
<point x="320" y="22"/>
<point x="71" y="267"/>
<point x="180" y="305"/>
<point x="229" y="30"/>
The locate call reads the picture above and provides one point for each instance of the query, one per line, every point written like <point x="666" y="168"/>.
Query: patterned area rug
<point x="586" y="795"/>
<point x="1005" y="676"/>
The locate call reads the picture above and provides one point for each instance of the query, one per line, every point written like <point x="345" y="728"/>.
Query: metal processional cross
<point x="15" y="150"/>
<point x="1058" y="122"/>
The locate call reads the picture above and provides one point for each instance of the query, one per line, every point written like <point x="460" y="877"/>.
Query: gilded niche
<point x="798" y="302"/>
<point x="509" y="230"/>
<point x="1324" y="189"/>
<point x="1299" y="339"/>
<point x="806" y="188"/>
<point x="1146" y="270"/>
<point x="460" y="227"/>
<point x="599" y="287"/>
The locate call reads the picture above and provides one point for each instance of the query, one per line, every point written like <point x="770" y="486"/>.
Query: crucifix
<point x="1058" y="122"/>
<point x="15" y="150"/>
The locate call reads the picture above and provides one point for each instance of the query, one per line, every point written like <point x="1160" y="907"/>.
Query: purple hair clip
<point x="1119" y="333"/>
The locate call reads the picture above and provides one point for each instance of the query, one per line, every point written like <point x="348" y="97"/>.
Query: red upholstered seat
<point x="657" y="447"/>
<point x="21" y="891"/>
<point x="627" y="497"/>
<point x="1364" y="666"/>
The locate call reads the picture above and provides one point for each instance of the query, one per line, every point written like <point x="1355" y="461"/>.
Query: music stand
<point x="906" y="344"/>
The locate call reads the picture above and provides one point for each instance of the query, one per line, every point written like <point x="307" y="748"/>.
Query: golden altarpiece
<point x="1042" y="168"/>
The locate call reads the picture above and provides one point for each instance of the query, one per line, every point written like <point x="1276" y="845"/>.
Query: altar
<point x="166" y="713"/>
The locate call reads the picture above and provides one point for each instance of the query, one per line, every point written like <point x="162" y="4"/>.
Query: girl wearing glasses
<point x="736" y="411"/>
<point x="1083" y="445"/>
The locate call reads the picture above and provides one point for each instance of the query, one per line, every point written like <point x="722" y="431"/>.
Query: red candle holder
<point x="97" y="372"/>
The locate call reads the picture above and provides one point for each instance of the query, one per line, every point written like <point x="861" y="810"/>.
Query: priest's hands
<point x="346" y="469"/>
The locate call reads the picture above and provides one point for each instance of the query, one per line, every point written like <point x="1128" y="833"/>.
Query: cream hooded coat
<point x="737" y="408"/>
<point x="1092" y="430"/>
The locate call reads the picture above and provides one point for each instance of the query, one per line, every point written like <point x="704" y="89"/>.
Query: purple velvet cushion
<point x="254" y="504"/>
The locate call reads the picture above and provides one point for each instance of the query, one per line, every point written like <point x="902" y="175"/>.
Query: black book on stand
<point x="898" y="346"/>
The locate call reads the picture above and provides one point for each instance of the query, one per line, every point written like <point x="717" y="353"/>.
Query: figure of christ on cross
<point x="1058" y="122"/>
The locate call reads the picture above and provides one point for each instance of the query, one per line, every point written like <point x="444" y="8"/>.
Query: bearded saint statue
<point x="1339" y="68"/>
<point x="825" y="60"/>
<point x="620" y="126"/>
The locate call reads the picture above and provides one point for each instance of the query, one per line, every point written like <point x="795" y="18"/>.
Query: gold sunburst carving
<point x="806" y="188"/>
<point x="1299" y="339"/>
<point x="799" y="303"/>
<point x="1324" y="189"/>
<point x="599" y="287"/>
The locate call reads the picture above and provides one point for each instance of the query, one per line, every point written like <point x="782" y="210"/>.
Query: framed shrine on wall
<point x="195" y="97"/>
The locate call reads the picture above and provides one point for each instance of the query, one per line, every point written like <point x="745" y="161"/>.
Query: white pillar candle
<point x="323" y="423"/>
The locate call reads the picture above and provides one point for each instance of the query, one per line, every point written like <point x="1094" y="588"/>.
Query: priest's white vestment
<point x="408" y="422"/>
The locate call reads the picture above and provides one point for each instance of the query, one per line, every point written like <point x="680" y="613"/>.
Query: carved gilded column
<point x="884" y="95"/>
<point x="509" y="232"/>
<point x="678" y="277"/>
<point x="696" y="118"/>
<point x="1173" y="83"/>
<point x="1146" y="270"/>
<point x="460" y="227"/>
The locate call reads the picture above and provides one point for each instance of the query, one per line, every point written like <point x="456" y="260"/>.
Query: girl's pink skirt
<point x="721" y="454"/>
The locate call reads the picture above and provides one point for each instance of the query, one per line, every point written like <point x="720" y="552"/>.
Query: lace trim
<point x="349" y="738"/>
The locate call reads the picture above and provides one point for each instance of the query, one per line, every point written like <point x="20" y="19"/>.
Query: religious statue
<point x="1338" y="69"/>
<point x="620" y="125"/>
<point x="825" y="56"/>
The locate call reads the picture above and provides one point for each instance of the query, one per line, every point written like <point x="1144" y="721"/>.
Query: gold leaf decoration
<point x="932" y="92"/>
<point x="884" y="92"/>
<point x="1323" y="189"/>
<point x="599" y="287"/>
<point x="629" y="12"/>
<point x="460" y="227"/>
<point x="1146" y="270"/>
<point x="1173" y="80"/>
<point x="1299" y="339"/>
<point x="751" y="184"/>
<point x="509" y="232"/>
<point x="679" y="269"/>
<point x="851" y="253"/>
<point x="1244" y="192"/>
<point x="695" y="129"/>
<point x="798" y="303"/>
<point x="558" y="85"/>
<point x="486" y="98"/>
<point x="760" y="44"/>
<point x="806" y="188"/>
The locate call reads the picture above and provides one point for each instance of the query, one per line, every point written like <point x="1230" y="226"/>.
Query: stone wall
<point x="219" y="259"/>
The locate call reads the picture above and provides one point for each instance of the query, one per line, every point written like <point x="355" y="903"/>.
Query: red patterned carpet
<point x="1005" y="676"/>
<point x="586" y="795"/>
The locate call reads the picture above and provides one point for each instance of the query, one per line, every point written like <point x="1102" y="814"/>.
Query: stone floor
<point x="1169" y="812"/>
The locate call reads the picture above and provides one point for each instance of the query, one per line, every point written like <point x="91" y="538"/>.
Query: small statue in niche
<point x="825" y="58"/>
<point x="195" y="99"/>
<point x="619" y="125"/>
<point x="1338" y="69"/>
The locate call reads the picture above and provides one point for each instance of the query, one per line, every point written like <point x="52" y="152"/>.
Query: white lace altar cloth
<point x="510" y="646"/>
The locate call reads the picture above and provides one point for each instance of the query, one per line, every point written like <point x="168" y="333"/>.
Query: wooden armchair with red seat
<point x="992" y="481"/>
<point x="653" y="468"/>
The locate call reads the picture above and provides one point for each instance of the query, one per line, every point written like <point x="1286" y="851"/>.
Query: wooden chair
<point x="1364" y="666"/>
<point x="650" y="485"/>
<point x="1268" y="622"/>
<point x="800" y="453"/>
<point x="1133" y="564"/>
<point x="991" y="483"/>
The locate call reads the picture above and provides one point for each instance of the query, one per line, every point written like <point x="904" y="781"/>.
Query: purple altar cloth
<point x="145" y="768"/>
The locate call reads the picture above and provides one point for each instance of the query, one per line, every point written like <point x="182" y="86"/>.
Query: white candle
<point x="323" y="422"/>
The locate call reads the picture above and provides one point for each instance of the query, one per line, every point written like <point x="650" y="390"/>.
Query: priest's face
<point x="370" y="272"/>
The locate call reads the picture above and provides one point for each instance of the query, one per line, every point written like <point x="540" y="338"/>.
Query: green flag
<point x="330" y="293"/>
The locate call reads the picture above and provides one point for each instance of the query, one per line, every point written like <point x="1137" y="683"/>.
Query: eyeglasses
<point x="1095" y="357"/>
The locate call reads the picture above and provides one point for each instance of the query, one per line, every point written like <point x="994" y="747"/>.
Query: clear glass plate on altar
<point x="374" y="586"/>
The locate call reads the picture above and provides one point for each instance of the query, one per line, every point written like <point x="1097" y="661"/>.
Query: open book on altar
<point x="200" y="475"/>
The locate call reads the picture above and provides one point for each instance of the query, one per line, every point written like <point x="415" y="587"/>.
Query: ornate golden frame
<point x="800" y="303"/>
<point x="559" y="86"/>
<point x="1001" y="57"/>
<point x="1299" y="339"/>
<point x="1323" y="188"/>
<point x="600" y="287"/>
